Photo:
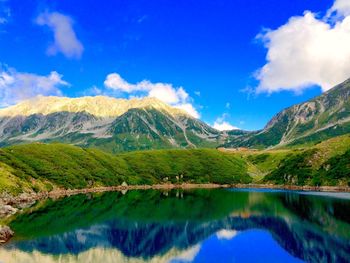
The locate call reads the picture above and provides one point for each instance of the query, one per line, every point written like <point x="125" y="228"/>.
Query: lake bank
<point x="10" y="204"/>
<point x="7" y="199"/>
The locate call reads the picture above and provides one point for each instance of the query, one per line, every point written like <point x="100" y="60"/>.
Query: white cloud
<point x="65" y="39"/>
<point x="222" y="125"/>
<point x="307" y="51"/>
<point x="188" y="107"/>
<point x="116" y="82"/>
<point x="341" y="7"/>
<point x="165" y="92"/>
<point x="16" y="86"/>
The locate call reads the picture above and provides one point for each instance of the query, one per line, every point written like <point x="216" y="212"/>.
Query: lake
<point x="218" y="225"/>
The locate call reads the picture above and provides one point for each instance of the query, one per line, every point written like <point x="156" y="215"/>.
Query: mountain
<point x="117" y="125"/>
<point x="323" y="117"/>
<point x="104" y="122"/>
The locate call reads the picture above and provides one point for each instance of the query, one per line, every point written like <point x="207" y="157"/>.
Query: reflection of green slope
<point x="82" y="210"/>
<point x="177" y="206"/>
<point x="322" y="213"/>
<point x="325" y="214"/>
<point x="151" y="223"/>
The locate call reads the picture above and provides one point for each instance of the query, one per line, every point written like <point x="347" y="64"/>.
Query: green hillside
<point x="324" y="164"/>
<point x="47" y="166"/>
<point x="327" y="163"/>
<point x="44" y="167"/>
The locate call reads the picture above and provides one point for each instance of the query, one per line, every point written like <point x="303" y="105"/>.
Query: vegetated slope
<point x="324" y="164"/>
<point x="323" y="117"/>
<point x="47" y="166"/>
<point x="43" y="167"/>
<point x="327" y="163"/>
<point x="111" y="124"/>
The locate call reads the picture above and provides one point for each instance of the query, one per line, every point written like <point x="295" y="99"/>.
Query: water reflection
<point x="177" y="226"/>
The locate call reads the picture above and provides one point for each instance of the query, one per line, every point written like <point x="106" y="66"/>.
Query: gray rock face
<point x="7" y="210"/>
<point x="111" y="124"/>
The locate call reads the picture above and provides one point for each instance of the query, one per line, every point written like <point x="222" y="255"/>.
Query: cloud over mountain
<point x="222" y="125"/>
<point x="16" y="86"/>
<point x="175" y="96"/>
<point x="307" y="50"/>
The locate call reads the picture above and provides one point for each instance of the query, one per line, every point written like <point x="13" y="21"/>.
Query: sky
<point x="231" y="63"/>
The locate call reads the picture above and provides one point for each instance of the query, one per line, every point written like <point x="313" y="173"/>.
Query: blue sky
<point x="230" y="62"/>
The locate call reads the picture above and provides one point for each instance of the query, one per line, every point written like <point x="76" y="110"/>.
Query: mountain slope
<point x="326" y="163"/>
<point x="323" y="117"/>
<point x="41" y="167"/>
<point x="103" y="122"/>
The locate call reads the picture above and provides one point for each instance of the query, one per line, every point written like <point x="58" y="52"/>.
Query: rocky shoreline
<point x="10" y="205"/>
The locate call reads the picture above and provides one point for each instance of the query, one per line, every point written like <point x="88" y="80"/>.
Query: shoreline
<point x="25" y="197"/>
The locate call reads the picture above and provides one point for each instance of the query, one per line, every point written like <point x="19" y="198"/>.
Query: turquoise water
<point x="184" y="226"/>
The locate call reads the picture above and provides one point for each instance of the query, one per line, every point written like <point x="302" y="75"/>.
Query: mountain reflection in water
<point x="183" y="226"/>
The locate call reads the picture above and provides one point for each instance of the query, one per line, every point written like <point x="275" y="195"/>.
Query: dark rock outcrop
<point x="5" y="234"/>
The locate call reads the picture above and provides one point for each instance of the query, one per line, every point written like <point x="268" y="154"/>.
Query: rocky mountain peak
<point x="99" y="106"/>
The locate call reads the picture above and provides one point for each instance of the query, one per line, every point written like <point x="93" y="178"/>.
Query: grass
<point x="48" y="166"/>
<point x="43" y="167"/>
<point x="325" y="163"/>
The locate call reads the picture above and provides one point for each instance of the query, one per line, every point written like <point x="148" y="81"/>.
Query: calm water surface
<point x="184" y="226"/>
